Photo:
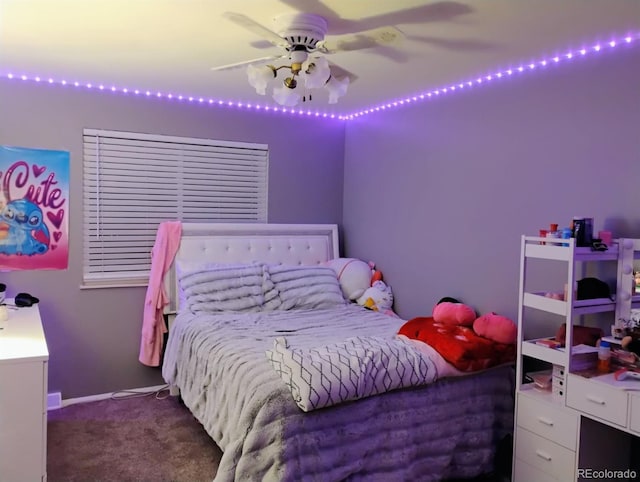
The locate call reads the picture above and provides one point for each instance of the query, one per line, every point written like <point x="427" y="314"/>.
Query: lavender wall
<point x="438" y="194"/>
<point x="94" y="335"/>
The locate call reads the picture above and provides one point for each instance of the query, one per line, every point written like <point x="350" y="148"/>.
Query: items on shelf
<point x="604" y="357"/>
<point x="624" y="374"/>
<point x="542" y="380"/>
<point x="581" y="229"/>
<point x="549" y="342"/>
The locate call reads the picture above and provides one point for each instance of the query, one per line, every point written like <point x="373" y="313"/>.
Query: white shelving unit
<point x="565" y="250"/>
<point x="551" y="439"/>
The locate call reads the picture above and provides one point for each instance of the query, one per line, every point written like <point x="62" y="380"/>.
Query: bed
<point x="220" y="363"/>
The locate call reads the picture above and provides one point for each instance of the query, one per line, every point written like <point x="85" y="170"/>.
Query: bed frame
<point x="303" y="244"/>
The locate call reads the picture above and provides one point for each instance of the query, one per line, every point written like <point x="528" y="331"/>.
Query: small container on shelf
<point x="604" y="357"/>
<point x="543" y="234"/>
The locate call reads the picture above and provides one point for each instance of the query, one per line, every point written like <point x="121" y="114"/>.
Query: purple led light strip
<point x="162" y="95"/>
<point x="466" y="85"/>
<point x="483" y="80"/>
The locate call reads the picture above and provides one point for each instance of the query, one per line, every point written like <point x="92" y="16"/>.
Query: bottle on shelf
<point x="604" y="357"/>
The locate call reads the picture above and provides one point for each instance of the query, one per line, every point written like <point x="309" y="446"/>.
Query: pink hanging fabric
<point x="153" y="325"/>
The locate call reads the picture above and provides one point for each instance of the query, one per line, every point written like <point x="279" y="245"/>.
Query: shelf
<point x="544" y="353"/>
<point x="554" y="249"/>
<point x="559" y="307"/>
<point x="542" y="395"/>
<point x="541" y="302"/>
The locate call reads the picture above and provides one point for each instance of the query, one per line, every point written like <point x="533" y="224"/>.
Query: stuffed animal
<point x="378" y="297"/>
<point x="631" y="343"/>
<point x="496" y="327"/>
<point x="353" y="274"/>
<point x="451" y="312"/>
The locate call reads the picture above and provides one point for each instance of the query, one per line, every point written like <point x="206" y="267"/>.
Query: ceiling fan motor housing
<point x="302" y="30"/>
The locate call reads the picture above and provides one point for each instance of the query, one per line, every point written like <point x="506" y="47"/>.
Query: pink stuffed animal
<point x="453" y="313"/>
<point x="496" y="327"/>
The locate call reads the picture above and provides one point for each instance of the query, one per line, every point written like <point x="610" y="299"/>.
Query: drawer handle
<point x="543" y="455"/>
<point x="545" y="421"/>
<point x="597" y="400"/>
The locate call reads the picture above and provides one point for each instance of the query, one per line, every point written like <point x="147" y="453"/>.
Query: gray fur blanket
<point x="449" y="428"/>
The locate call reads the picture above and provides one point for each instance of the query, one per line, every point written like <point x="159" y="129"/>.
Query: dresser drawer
<point x="550" y="421"/>
<point x="546" y="456"/>
<point x="523" y="472"/>
<point x="598" y="399"/>
<point x="634" y="402"/>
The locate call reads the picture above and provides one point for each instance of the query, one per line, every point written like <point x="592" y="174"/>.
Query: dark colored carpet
<point x="136" y="439"/>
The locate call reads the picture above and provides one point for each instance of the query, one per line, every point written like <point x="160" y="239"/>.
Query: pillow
<point x="304" y="287"/>
<point x="214" y="287"/>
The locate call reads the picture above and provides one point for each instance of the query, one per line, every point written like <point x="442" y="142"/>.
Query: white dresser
<point x="23" y="392"/>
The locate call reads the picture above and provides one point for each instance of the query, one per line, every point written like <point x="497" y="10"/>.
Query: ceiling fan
<point x="302" y="38"/>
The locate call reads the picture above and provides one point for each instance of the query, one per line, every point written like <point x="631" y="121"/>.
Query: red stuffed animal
<point x="490" y="342"/>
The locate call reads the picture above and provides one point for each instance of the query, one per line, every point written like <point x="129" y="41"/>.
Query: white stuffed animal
<point x="353" y="274"/>
<point x="378" y="298"/>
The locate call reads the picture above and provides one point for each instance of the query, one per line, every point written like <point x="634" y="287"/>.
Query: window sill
<point x="114" y="284"/>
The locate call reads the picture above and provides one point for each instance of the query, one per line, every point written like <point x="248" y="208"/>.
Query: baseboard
<point x="104" y="396"/>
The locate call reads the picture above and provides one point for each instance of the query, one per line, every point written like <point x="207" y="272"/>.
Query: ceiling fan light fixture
<point x="304" y="35"/>
<point x="298" y="56"/>
<point x="290" y="83"/>
<point x="259" y="77"/>
<point x="286" y="96"/>
<point x="315" y="72"/>
<point x="337" y="88"/>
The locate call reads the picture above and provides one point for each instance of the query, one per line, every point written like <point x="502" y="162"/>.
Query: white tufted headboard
<point x="304" y="244"/>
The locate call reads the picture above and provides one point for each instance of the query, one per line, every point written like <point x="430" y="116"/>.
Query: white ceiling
<point x="171" y="45"/>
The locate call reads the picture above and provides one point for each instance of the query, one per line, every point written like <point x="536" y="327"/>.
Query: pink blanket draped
<point x="153" y="326"/>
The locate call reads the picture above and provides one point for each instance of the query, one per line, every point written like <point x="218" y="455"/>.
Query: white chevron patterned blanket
<point x="356" y="368"/>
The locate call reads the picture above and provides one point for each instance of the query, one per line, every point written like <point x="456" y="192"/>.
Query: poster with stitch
<point x="34" y="207"/>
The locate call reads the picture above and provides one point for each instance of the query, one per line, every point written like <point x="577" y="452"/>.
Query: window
<point x="132" y="182"/>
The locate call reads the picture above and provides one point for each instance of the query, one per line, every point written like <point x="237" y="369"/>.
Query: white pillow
<point x="304" y="287"/>
<point x="215" y="287"/>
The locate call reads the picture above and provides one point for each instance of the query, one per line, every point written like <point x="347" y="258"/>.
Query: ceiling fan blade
<point x="387" y="36"/>
<point x="258" y="29"/>
<point x="246" y="62"/>
<point x="340" y="72"/>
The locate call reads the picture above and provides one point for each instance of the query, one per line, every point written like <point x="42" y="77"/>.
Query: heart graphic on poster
<point x="56" y="218"/>
<point x="57" y="235"/>
<point x="37" y="170"/>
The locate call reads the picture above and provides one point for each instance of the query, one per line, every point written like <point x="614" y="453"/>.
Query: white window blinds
<point x="132" y="182"/>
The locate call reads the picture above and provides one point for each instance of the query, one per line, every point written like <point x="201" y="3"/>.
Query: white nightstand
<point x="23" y="397"/>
